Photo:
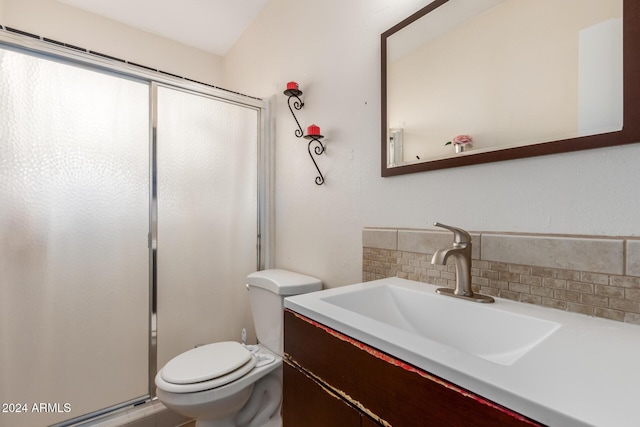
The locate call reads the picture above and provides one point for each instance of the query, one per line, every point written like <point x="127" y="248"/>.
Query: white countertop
<point x="587" y="373"/>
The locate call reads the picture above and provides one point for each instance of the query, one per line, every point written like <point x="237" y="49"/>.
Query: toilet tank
<point x="267" y="291"/>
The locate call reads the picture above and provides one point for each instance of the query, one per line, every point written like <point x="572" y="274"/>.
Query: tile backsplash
<point x="589" y="275"/>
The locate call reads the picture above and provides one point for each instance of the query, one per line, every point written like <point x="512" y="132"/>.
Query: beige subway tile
<point x="426" y="264"/>
<point x="445" y="283"/>
<point x="520" y="269"/>
<point x="625" y="281"/>
<point x="483" y="265"/>
<point x="380" y="238"/>
<point x="490" y="274"/>
<point x="509" y="276"/>
<point x="568" y="274"/>
<point x="487" y="290"/>
<point x="580" y="308"/>
<point x="499" y="266"/>
<point x="531" y="280"/>
<point x="607" y="313"/>
<point x="554" y="283"/>
<point x="565" y="295"/>
<point x="531" y="299"/>
<point x="542" y="272"/>
<point x="408" y="255"/>
<point x="415" y="262"/>
<point x="633" y="258"/>
<point x="434" y="273"/>
<point x="427" y="241"/>
<point x="595" y="278"/>
<point x="595" y="300"/>
<point x="585" y="288"/>
<point x="480" y="281"/>
<point x="624" y="305"/>
<point x="609" y="291"/>
<point x="632" y="318"/>
<point x="519" y="287"/>
<point x="554" y="303"/>
<point x="542" y="291"/>
<point x="514" y="296"/>
<point x="632" y="294"/>
<point x="499" y="284"/>
<point x="571" y="253"/>
<point x="447" y="275"/>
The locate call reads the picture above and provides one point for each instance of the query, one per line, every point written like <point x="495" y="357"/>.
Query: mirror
<point x="522" y="78"/>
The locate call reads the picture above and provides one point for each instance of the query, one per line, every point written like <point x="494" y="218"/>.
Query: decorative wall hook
<point x="313" y="135"/>
<point x="293" y="91"/>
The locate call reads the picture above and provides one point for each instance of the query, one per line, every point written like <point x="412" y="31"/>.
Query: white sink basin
<point x="478" y="329"/>
<point x="560" y="368"/>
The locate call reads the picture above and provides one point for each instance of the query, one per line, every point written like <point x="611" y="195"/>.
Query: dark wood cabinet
<point x="308" y="403"/>
<point x="332" y="380"/>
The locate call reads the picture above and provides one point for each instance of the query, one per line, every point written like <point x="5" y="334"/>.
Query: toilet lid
<point x="206" y="363"/>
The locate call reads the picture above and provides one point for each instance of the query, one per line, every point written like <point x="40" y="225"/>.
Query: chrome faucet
<point x="461" y="253"/>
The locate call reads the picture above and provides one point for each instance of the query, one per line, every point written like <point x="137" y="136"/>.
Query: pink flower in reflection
<point x="462" y="140"/>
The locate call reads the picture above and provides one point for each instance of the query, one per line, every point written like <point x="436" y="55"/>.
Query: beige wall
<point x="332" y="48"/>
<point x="58" y="21"/>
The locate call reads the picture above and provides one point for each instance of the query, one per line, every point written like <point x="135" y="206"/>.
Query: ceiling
<point x="211" y="25"/>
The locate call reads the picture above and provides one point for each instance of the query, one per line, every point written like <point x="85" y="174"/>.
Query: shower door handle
<point x="151" y="243"/>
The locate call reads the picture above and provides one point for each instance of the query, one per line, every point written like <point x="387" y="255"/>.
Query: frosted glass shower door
<point x="207" y="162"/>
<point x="74" y="222"/>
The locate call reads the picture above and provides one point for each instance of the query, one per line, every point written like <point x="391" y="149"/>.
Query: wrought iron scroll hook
<point x="294" y="94"/>
<point x="318" y="149"/>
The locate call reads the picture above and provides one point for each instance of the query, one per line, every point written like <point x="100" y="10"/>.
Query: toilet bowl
<point x="214" y="382"/>
<point x="228" y="384"/>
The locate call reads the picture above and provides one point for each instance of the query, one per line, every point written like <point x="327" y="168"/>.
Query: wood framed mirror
<point x="436" y="90"/>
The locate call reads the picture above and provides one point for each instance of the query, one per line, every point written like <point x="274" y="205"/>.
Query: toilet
<point x="229" y="384"/>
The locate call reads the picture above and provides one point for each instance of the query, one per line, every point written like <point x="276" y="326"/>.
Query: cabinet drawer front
<point x="386" y="388"/>
<point x="307" y="403"/>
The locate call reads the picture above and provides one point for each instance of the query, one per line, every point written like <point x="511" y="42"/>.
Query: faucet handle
<point x="459" y="235"/>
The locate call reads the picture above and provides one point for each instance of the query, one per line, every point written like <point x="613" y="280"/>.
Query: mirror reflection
<point x="506" y="73"/>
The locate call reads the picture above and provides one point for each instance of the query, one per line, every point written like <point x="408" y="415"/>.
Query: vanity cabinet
<point x="333" y="380"/>
<point x="309" y="403"/>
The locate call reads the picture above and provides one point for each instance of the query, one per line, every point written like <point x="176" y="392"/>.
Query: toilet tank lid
<point x="283" y="282"/>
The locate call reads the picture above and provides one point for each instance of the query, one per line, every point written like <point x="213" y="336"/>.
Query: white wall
<point x="58" y="21"/>
<point x="332" y="48"/>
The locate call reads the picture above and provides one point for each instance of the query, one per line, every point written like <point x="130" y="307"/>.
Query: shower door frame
<point x="55" y="51"/>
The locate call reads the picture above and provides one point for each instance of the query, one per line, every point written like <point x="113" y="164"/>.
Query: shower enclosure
<point x="130" y="213"/>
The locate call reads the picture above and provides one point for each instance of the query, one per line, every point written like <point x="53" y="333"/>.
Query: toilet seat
<point x="206" y="367"/>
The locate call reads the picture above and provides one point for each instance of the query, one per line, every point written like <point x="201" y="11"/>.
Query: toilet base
<point x="229" y="422"/>
<point x="235" y="404"/>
